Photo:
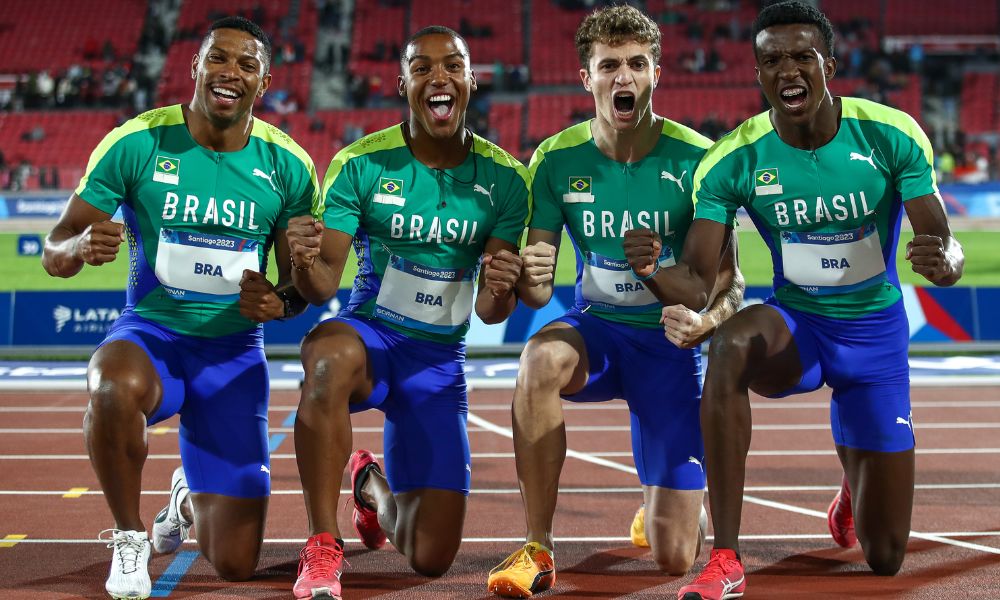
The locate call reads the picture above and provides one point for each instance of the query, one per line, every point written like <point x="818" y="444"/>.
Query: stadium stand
<point x="892" y="51"/>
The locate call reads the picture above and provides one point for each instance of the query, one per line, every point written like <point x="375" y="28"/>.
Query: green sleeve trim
<point x="386" y="139"/>
<point x="683" y="133"/>
<point x="746" y="134"/>
<point x="158" y="117"/>
<point x="866" y="110"/>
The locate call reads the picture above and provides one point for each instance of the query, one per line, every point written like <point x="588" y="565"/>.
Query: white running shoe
<point x="170" y="528"/>
<point x="129" y="577"/>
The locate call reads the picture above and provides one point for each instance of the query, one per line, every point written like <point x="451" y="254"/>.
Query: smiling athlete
<point x="427" y="205"/>
<point x="626" y="167"/>
<point x="826" y="181"/>
<point x="205" y="190"/>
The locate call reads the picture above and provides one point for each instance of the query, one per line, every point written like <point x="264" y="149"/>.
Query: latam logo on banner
<point x="64" y="318"/>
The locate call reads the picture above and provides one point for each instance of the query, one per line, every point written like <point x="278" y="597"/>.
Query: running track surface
<point x="51" y="509"/>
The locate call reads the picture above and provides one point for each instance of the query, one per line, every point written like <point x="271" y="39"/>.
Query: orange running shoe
<point x="527" y="571"/>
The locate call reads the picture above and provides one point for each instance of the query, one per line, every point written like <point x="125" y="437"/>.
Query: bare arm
<point x="691" y="281"/>
<point x="534" y="287"/>
<point x="317" y="257"/>
<point x="933" y="252"/>
<point x="686" y="328"/>
<point x="500" y="272"/>
<point x="83" y="235"/>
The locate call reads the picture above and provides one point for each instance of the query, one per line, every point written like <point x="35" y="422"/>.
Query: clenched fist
<point x="500" y="272"/>
<point x="928" y="257"/>
<point x="305" y="234"/>
<point x="99" y="242"/>
<point x="258" y="300"/>
<point x="642" y="250"/>
<point x="538" y="263"/>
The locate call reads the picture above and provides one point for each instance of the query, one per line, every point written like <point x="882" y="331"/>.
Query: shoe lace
<point x="127" y="547"/>
<point x="717" y="568"/>
<point x="519" y="560"/>
<point x="320" y="561"/>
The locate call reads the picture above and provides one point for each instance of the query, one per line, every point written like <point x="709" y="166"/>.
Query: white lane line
<point x="506" y="455"/>
<point x="614" y="405"/>
<point x="570" y="428"/>
<point x="566" y="540"/>
<point x="825" y="489"/>
<point x="751" y="499"/>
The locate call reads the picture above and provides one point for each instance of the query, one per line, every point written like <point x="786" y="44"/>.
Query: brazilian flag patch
<point x="167" y="170"/>
<point x="579" y="185"/>
<point x="766" y="182"/>
<point x="389" y="191"/>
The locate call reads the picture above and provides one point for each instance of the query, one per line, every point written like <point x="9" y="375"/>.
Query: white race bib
<point x="833" y="263"/>
<point x="203" y="267"/>
<point x="426" y="298"/>
<point x="608" y="283"/>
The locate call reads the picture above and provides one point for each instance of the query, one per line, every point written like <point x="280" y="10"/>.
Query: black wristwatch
<point x="286" y="300"/>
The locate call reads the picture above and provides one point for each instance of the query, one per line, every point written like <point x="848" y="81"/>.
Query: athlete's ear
<point x="194" y="67"/>
<point x="265" y="82"/>
<point x="656" y="75"/>
<point x="830" y="67"/>
<point x="401" y="86"/>
<point x="472" y="81"/>
<point x="585" y="78"/>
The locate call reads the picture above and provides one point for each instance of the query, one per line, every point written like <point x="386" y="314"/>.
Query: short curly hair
<point x="792" y="12"/>
<point x="613" y="26"/>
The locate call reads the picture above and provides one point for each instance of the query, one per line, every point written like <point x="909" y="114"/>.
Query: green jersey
<point x="195" y="218"/>
<point x="830" y="216"/>
<point x="597" y="199"/>
<point x="419" y="233"/>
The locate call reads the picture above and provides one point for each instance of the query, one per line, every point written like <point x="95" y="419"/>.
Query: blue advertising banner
<point x="81" y="319"/>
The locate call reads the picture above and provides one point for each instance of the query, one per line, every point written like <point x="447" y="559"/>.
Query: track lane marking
<point x="751" y="499"/>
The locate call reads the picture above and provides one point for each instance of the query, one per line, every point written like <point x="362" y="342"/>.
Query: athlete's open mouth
<point x="624" y="103"/>
<point x="794" y="96"/>
<point x="441" y="106"/>
<point x="226" y="96"/>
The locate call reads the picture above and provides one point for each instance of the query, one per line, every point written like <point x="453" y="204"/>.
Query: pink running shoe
<point x="365" y="518"/>
<point x="320" y="566"/>
<point x="722" y="579"/>
<point x="840" y="518"/>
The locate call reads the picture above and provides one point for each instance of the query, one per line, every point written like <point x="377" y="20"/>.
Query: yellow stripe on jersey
<point x="747" y="133"/>
<point x="487" y="149"/>
<point x="272" y="135"/>
<point x="158" y="117"/>
<point x="866" y="110"/>
<point x="386" y="139"/>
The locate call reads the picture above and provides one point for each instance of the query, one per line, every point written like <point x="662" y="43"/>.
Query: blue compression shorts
<point x="865" y="362"/>
<point x="420" y="386"/>
<point x="661" y="384"/>
<point x="220" y="388"/>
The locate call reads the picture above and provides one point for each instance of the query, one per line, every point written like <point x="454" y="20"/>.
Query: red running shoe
<point x="365" y="518"/>
<point x="319" y="569"/>
<point x="840" y="518"/>
<point x="721" y="579"/>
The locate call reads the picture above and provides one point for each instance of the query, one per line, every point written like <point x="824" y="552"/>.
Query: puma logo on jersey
<point x="867" y="159"/>
<point x="677" y="180"/>
<point x="263" y="175"/>
<point x="694" y="460"/>
<point x="482" y="190"/>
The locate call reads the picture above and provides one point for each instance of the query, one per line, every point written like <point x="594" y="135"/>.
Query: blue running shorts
<point x="420" y="386"/>
<point x="865" y="362"/>
<point x="661" y="384"/>
<point x="220" y="388"/>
